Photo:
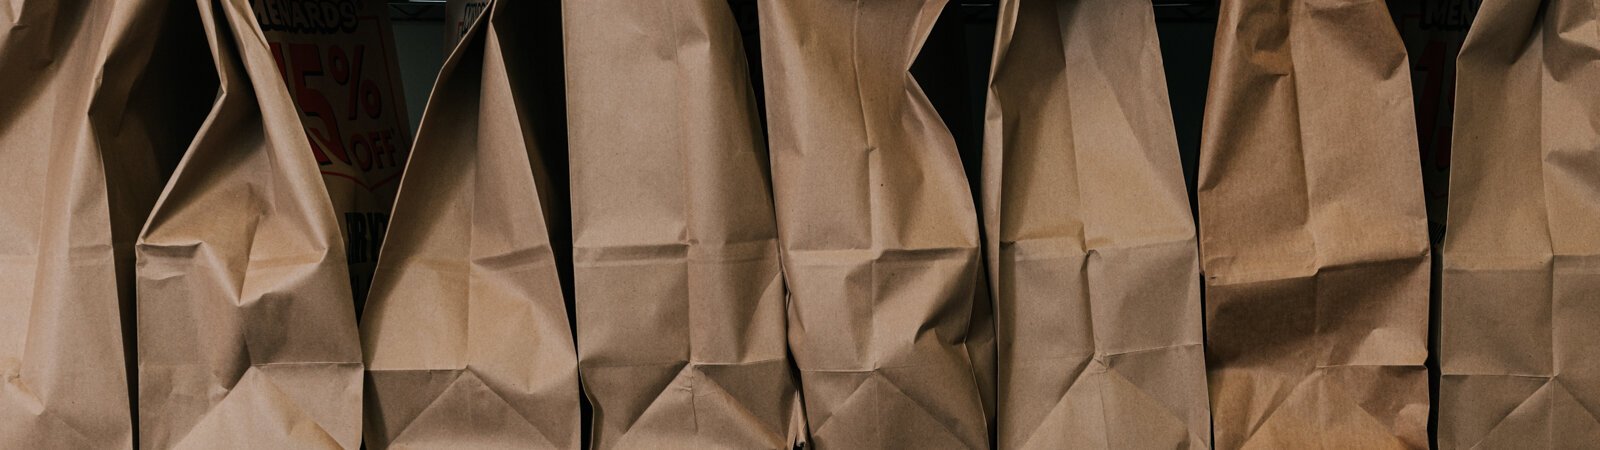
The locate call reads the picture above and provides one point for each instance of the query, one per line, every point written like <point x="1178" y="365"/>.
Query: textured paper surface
<point x="1313" y="231"/>
<point x="466" y="336"/>
<point x="1521" y="281"/>
<point x="99" y="102"/>
<point x="59" y="308"/>
<point x="1090" y="242"/>
<point x="247" y="335"/>
<point x="679" y="299"/>
<point x="877" y="225"/>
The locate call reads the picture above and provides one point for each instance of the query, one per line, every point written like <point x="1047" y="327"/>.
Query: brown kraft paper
<point x="466" y="335"/>
<point x="1313" y="233"/>
<point x="99" y="104"/>
<point x="1090" y="242"/>
<point x="247" y="335"/>
<point x="679" y="299"/>
<point x="1521" y="280"/>
<point x="877" y="226"/>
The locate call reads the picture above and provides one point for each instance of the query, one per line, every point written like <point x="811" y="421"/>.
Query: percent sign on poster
<point x="367" y="142"/>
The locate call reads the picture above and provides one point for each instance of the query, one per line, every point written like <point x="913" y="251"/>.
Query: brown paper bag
<point x="466" y="335"/>
<point x="879" y="233"/>
<point x="1089" y="237"/>
<point x="1521" y="279"/>
<point x="1313" y="232"/>
<point x="679" y="299"/>
<point x="59" y="308"/>
<point x="99" y="103"/>
<point x="338" y="60"/>
<point x="247" y="336"/>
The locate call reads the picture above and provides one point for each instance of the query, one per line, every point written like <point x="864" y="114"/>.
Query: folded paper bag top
<point x="247" y="335"/>
<point x="1090" y="242"/>
<point x="877" y="225"/>
<point x="1313" y="233"/>
<point x="466" y="334"/>
<point x="1520" y="295"/>
<point x="95" y="114"/>
<point x="680" y="305"/>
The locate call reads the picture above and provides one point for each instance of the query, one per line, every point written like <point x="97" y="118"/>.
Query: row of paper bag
<point x="591" y="201"/>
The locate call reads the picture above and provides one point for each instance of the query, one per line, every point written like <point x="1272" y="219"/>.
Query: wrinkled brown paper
<point x="877" y="225"/>
<point x="1312" y="230"/>
<point x="679" y="299"/>
<point x="466" y="335"/>
<point x="1521" y="278"/>
<point x="100" y="100"/>
<point x="1089" y="238"/>
<point x="247" y="335"/>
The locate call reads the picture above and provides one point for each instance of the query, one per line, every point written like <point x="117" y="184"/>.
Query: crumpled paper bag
<point x="1313" y="232"/>
<point x="680" y="303"/>
<point x="101" y="98"/>
<point x="877" y="225"/>
<point x="1521" y="280"/>
<point x="1091" y="246"/>
<point x="247" y="332"/>
<point x="466" y="335"/>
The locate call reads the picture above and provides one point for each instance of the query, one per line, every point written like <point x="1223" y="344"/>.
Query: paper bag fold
<point x="247" y="333"/>
<point x="1521" y="276"/>
<point x="679" y="299"/>
<point x="1313" y="232"/>
<point x="877" y="228"/>
<point x="466" y="336"/>
<point x="1090" y="243"/>
<point x="96" y="112"/>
